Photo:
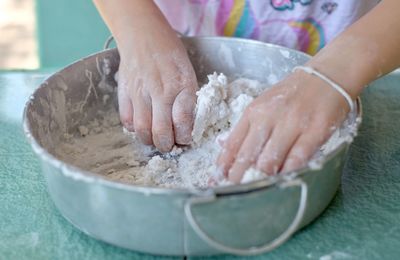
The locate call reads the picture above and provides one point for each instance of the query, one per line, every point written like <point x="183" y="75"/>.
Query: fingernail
<point x="129" y="127"/>
<point x="183" y="134"/>
<point x="165" y="144"/>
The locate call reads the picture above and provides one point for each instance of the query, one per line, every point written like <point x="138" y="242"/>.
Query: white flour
<point x="104" y="148"/>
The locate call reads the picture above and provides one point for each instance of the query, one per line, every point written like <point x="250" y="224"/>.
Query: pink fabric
<point x="306" y="25"/>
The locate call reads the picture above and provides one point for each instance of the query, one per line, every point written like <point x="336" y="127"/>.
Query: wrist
<point x="131" y="22"/>
<point x="338" y="73"/>
<point x="349" y="62"/>
<point x="131" y="29"/>
<point x="339" y="89"/>
<point x="142" y="33"/>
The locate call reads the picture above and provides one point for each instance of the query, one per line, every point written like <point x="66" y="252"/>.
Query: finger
<point x="304" y="148"/>
<point x="162" y="130"/>
<point x="274" y="153"/>
<point x="232" y="145"/>
<point x="249" y="152"/>
<point x="183" y="115"/>
<point x="143" y="115"/>
<point x="125" y="107"/>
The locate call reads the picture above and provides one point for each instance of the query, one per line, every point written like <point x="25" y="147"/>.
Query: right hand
<point x="283" y="127"/>
<point x="157" y="85"/>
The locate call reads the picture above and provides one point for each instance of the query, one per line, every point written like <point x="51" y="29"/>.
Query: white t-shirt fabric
<point x="306" y="25"/>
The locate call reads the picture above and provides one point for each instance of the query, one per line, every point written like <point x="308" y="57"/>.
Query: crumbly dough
<point x="104" y="148"/>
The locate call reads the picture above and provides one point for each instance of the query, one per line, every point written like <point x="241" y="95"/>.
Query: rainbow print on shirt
<point x="235" y="18"/>
<point x="282" y="5"/>
<point x="310" y="35"/>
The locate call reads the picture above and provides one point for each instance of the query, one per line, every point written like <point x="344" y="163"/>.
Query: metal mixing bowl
<point x="245" y="219"/>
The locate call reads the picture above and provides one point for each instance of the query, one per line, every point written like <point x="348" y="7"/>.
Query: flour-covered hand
<point x="157" y="87"/>
<point x="282" y="128"/>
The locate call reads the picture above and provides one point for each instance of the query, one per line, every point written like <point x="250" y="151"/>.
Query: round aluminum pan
<point x="243" y="219"/>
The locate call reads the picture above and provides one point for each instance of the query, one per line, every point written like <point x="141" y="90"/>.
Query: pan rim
<point x="78" y="174"/>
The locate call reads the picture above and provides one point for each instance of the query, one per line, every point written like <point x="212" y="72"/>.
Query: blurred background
<point x="18" y="46"/>
<point x="46" y="34"/>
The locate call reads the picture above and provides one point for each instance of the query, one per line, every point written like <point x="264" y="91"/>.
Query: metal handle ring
<point x="108" y="42"/>
<point x="252" y="250"/>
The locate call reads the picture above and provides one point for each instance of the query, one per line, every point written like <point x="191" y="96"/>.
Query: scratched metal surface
<point x="363" y="221"/>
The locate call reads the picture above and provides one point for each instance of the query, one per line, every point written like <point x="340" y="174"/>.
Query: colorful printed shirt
<point x="306" y="25"/>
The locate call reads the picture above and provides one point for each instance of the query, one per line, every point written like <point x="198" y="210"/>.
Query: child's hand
<point x="283" y="128"/>
<point x="157" y="86"/>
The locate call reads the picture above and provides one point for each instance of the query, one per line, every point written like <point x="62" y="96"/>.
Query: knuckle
<point x="142" y="128"/>
<point x="162" y="131"/>
<point x="231" y="144"/>
<point x="122" y="85"/>
<point x="123" y="80"/>
<point x="186" y="96"/>
<point x="319" y="133"/>
<point x="157" y="89"/>
<point x="183" y="130"/>
<point x="321" y="122"/>
<point x="254" y="111"/>
<point x="251" y="109"/>
<point x="142" y="125"/>
<point x="183" y="117"/>
<point x="223" y="158"/>
<point x="174" y="90"/>
<point x="165" y="97"/>
<point x="246" y="157"/>
<point x="299" y="153"/>
<point x="295" y="162"/>
<point x="143" y="133"/>
<point x="137" y="91"/>
<point x="186" y="103"/>
<point x="178" y="82"/>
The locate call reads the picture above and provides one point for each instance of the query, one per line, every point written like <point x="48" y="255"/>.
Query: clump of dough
<point x="102" y="147"/>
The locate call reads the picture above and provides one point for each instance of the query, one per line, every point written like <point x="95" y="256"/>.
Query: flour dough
<point x="102" y="147"/>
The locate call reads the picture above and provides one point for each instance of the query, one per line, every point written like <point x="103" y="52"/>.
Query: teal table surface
<point x="362" y="222"/>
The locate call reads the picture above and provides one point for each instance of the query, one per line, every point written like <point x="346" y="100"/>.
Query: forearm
<point x="367" y="50"/>
<point x="127" y="19"/>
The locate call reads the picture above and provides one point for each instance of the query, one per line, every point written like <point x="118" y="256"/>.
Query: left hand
<point x="283" y="127"/>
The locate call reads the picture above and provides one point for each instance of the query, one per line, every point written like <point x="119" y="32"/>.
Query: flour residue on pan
<point x="103" y="147"/>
